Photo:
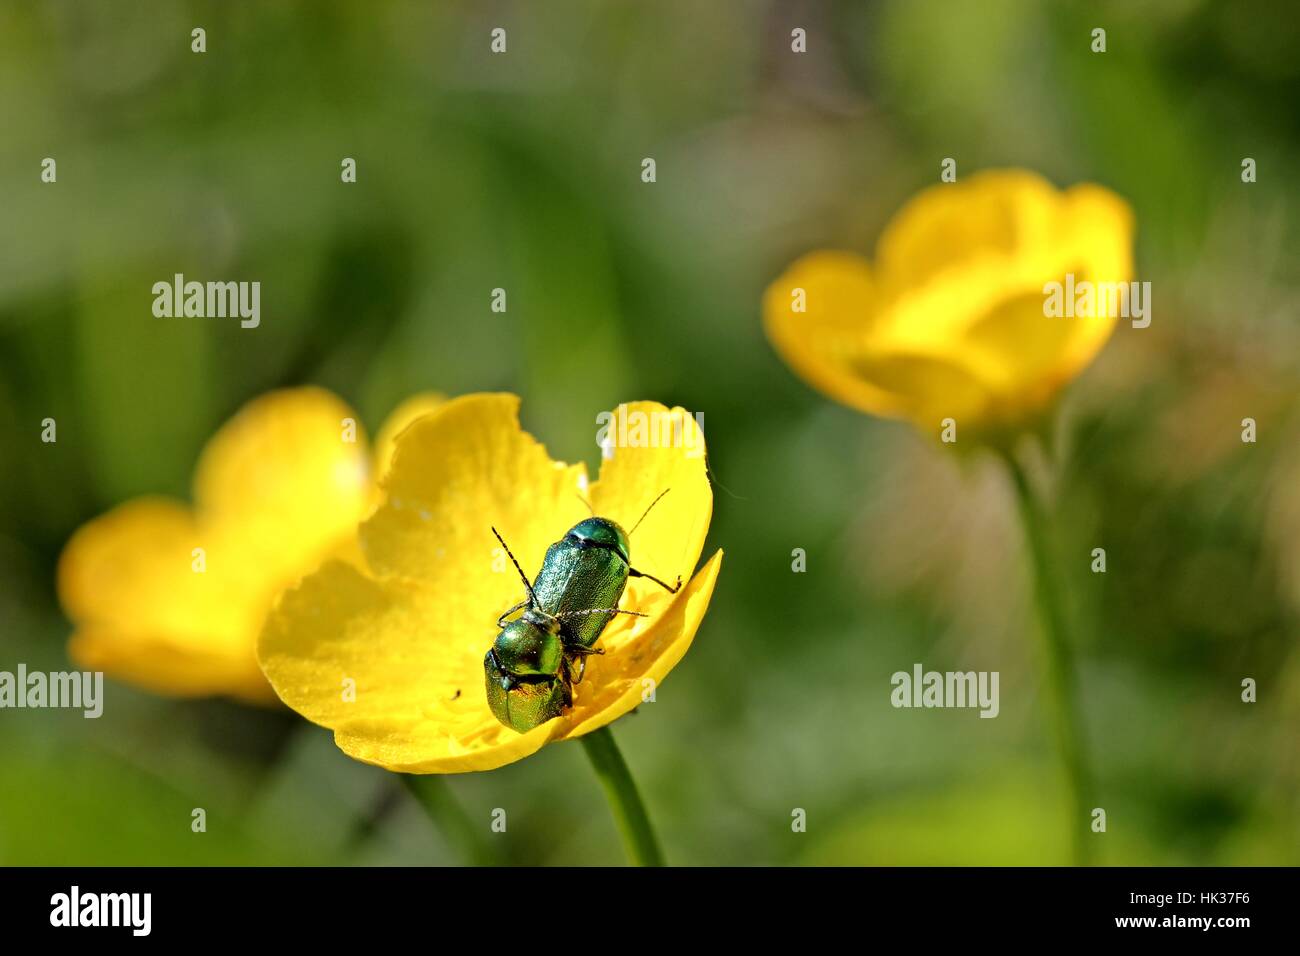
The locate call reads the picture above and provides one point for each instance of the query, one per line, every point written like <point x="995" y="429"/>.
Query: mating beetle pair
<point x="536" y="659"/>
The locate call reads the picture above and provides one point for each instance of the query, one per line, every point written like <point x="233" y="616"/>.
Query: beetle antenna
<point x="713" y="475"/>
<point x="646" y="512"/>
<point x="531" y="595"/>
<point x="586" y="612"/>
<point x="587" y="503"/>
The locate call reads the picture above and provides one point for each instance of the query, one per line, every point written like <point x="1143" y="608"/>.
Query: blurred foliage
<point x="522" y="172"/>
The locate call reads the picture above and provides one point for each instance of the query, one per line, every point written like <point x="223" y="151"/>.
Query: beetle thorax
<point x="525" y="647"/>
<point x="601" y="533"/>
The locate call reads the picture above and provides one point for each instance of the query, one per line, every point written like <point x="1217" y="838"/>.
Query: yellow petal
<point x="170" y="664"/>
<point x="824" y="343"/>
<point x="171" y="598"/>
<point x="410" y="637"/>
<point x="455" y="476"/>
<point x="413" y="408"/>
<point x="1102" y="233"/>
<point x="928" y="387"/>
<point x="1025" y="356"/>
<point x="283" y="478"/>
<point x="147" y="616"/>
<point x="133" y="566"/>
<point x="645" y="650"/>
<point x="415" y="659"/>
<point x="668" y="543"/>
<point x="990" y="215"/>
<point x="417" y="670"/>
<point x="954" y="325"/>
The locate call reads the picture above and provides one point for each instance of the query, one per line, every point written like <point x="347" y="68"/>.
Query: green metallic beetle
<point x="531" y="667"/>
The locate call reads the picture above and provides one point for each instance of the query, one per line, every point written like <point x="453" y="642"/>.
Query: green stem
<point x="1059" y="660"/>
<point x="620" y="789"/>
<point x="448" y="816"/>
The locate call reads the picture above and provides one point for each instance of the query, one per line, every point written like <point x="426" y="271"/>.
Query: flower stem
<point x="620" y="789"/>
<point x="1059" y="660"/>
<point x="448" y="816"/>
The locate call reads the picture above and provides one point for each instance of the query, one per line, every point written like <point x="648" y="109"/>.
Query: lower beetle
<point x="531" y="667"/>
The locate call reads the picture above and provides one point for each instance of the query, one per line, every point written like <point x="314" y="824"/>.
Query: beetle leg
<point x="579" y="654"/>
<point x="571" y="679"/>
<point x="568" y="691"/>
<point x="634" y="573"/>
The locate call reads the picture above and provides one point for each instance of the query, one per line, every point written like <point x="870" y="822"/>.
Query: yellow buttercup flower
<point x="172" y="597"/>
<point x="950" y="320"/>
<point x="390" y="655"/>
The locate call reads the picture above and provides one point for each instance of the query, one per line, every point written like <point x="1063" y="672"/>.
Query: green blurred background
<point x="522" y="171"/>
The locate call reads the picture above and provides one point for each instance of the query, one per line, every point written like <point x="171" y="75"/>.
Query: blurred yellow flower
<point x="172" y="598"/>
<point x="390" y="656"/>
<point x="950" y="321"/>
